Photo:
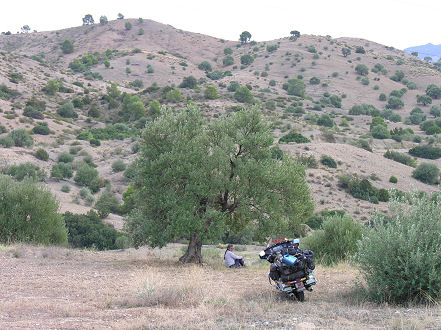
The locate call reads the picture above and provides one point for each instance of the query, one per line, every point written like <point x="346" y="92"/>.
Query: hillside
<point x="150" y="59"/>
<point x="424" y="51"/>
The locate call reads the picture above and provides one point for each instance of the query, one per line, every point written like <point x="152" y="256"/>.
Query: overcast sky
<point x="397" y="23"/>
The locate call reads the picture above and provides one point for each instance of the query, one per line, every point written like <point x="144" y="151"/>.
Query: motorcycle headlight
<point x="262" y="254"/>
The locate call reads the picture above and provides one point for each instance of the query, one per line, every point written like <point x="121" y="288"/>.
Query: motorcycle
<point x="291" y="269"/>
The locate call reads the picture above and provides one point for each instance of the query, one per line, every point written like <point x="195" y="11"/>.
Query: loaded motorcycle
<point x="291" y="269"/>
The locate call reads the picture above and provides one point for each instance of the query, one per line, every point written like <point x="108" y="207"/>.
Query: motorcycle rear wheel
<point x="300" y="296"/>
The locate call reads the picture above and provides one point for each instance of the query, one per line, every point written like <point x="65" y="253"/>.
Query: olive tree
<point x="197" y="180"/>
<point x="244" y="37"/>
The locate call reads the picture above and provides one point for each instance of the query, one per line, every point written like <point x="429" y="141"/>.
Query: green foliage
<point x="295" y="87"/>
<point x="65" y="188"/>
<point x="362" y="69"/>
<point x="272" y="48"/>
<point x="52" y="87"/>
<point x="67" y="46"/>
<point x="65" y="157"/>
<point x="25" y="170"/>
<point x="393" y="179"/>
<point x="399" y="256"/>
<point x="103" y="20"/>
<point x="336" y="241"/>
<point x="7" y="93"/>
<point x="228" y="60"/>
<point x="188" y="182"/>
<point x="246" y="59"/>
<point x="21" y="138"/>
<point x="427" y="173"/>
<point x="66" y="110"/>
<point x="6" y="141"/>
<point x="28" y="213"/>
<point x="362" y="189"/>
<point x="189" y="82"/>
<point x="424" y="99"/>
<point x="41" y="129"/>
<point x="128" y="26"/>
<point x="360" y="50"/>
<point x="433" y="91"/>
<point x="234" y="85"/>
<point x="216" y="75"/>
<point x="174" y="96"/>
<point x="118" y="165"/>
<point x="85" y="175"/>
<point x="107" y="203"/>
<point x="205" y="66"/>
<point x="345" y="51"/>
<point x="364" y="109"/>
<point x="88" y="20"/>
<point x="435" y="111"/>
<point x="398" y="76"/>
<point x="211" y="93"/>
<point x="89" y="231"/>
<point x="244" y="37"/>
<point x="400" y="158"/>
<point x="325" y="120"/>
<point x="394" y="103"/>
<point x="243" y="95"/>
<point x="228" y="51"/>
<point x="294" y="137"/>
<point x="426" y="151"/>
<point x="380" y="132"/>
<point x="328" y="161"/>
<point x="62" y="171"/>
<point x="111" y="132"/>
<point x="314" y="81"/>
<point x="132" y="108"/>
<point x="41" y="154"/>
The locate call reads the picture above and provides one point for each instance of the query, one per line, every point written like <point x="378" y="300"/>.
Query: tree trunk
<point x="194" y="251"/>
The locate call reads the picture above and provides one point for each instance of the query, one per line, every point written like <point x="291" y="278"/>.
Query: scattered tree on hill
<point x="433" y="91"/>
<point x="88" y="20"/>
<point x="243" y="95"/>
<point x="244" y="37"/>
<point x="424" y="99"/>
<point x="25" y="29"/>
<point x="103" y="20"/>
<point x="295" y="33"/>
<point x="246" y="59"/>
<point x="67" y="46"/>
<point x="362" y="69"/>
<point x="345" y="51"/>
<point x="128" y="26"/>
<point x="207" y="178"/>
<point x="120" y="16"/>
<point x="211" y="93"/>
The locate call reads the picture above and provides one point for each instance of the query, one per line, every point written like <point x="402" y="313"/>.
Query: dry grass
<point x="141" y="289"/>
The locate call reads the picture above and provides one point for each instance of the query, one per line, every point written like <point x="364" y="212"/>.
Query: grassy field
<point x="58" y="288"/>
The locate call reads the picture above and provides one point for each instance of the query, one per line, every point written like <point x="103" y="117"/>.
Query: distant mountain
<point x="429" y="50"/>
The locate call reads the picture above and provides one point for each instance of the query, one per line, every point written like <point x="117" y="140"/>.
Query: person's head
<point x="296" y="242"/>
<point x="230" y="247"/>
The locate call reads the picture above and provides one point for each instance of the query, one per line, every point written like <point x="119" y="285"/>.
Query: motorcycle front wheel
<point x="300" y="296"/>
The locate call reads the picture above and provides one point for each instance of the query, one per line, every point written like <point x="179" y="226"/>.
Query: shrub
<point x="427" y="173"/>
<point x="65" y="188"/>
<point x="328" y="161"/>
<point x="314" y="81"/>
<point x="361" y="188"/>
<point x="65" y="157"/>
<point x="62" y="171"/>
<point x="234" y="85"/>
<point x="243" y="95"/>
<point x="435" y="111"/>
<point x="174" y="96"/>
<point x="41" y="154"/>
<point x="362" y="69"/>
<point x="189" y="82"/>
<point x="85" y="175"/>
<point x="21" y="138"/>
<point x="393" y="179"/>
<point x="380" y="132"/>
<point x="228" y="60"/>
<point x="107" y="203"/>
<point x="426" y="151"/>
<point x="205" y="66"/>
<point x="66" y="110"/>
<point x="294" y="137"/>
<point x="399" y="256"/>
<point x="89" y="231"/>
<point x="29" y="213"/>
<point x="42" y="129"/>
<point x="67" y="46"/>
<point x="295" y="87"/>
<point x="25" y="170"/>
<point x="6" y="141"/>
<point x="382" y="97"/>
<point x="246" y="59"/>
<point x="394" y="103"/>
<point x="118" y="165"/>
<point x="211" y="93"/>
<point x="336" y="241"/>
<point x="325" y="120"/>
<point x="398" y="76"/>
<point x="95" y="142"/>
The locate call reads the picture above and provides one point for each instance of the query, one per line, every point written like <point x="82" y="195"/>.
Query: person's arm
<point x="235" y="256"/>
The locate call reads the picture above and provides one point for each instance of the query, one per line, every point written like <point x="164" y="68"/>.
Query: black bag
<point x="274" y="273"/>
<point x="292" y="276"/>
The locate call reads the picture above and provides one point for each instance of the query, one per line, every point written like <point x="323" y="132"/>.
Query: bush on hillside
<point x="29" y="213"/>
<point x="118" y="165"/>
<point x="107" y="203"/>
<point x="41" y="154"/>
<point x="427" y="173"/>
<point x="89" y="231"/>
<point x="407" y="239"/>
<point x="294" y="137"/>
<point x="336" y="241"/>
<point x="85" y="175"/>
<point x="61" y="171"/>
<point x="426" y="151"/>
<point x="21" y="138"/>
<point x="328" y="161"/>
<point x="25" y="170"/>
<point x="400" y="158"/>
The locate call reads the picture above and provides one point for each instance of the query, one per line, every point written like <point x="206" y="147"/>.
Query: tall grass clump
<point x="399" y="256"/>
<point x="336" y="240"/>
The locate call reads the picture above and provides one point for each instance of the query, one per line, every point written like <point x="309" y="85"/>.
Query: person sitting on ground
<point x="232" y="260"/>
